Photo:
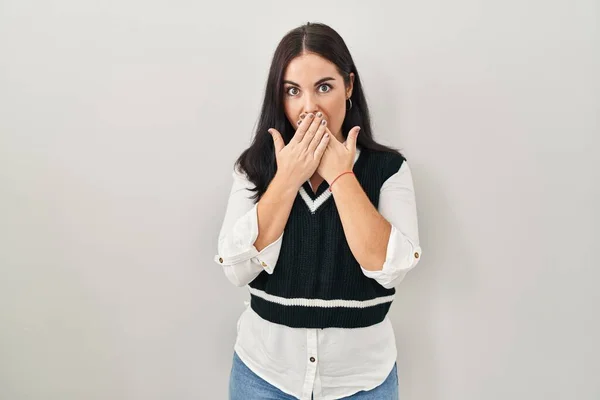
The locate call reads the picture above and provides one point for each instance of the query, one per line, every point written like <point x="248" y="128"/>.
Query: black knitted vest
<point x="317" y="282"/>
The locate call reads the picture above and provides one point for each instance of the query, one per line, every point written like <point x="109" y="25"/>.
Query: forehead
<point x="309" y="68"/>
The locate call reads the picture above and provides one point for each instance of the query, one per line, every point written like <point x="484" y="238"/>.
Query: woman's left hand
<point x="338" y="157"/>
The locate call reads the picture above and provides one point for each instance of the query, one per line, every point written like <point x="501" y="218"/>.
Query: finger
<point x="321" y="130"/>
<point x="351" y="139"/>
<point x="312" y="129"/>
<point x="332" y="135"/>
<point x="334" y="141"/>
<point x="302" y="126"/>
<point x="277" y="140"/>
<point x="320" y="150"/>
<point x="328" y="131"/>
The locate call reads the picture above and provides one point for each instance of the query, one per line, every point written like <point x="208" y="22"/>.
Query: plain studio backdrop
<point x="119" y="126"/>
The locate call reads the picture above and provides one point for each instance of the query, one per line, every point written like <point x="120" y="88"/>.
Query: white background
<point x="119" y="125"/>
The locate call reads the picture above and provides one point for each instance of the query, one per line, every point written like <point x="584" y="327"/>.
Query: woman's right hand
<point x="298" y="160"/>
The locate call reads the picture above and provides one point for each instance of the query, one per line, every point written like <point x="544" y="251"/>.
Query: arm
<point x="274" y="210"/>
<point x="367" y="232"/>
<point x="397" y="205"/>
<point x="383" y="240"/>
<point x="249" y="242"/>
<point x="245" y="232"/>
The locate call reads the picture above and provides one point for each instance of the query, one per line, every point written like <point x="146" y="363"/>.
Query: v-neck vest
<point x="317" y="282"/>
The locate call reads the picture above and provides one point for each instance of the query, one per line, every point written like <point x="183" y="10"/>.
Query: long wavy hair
<point x="258" y="161"/>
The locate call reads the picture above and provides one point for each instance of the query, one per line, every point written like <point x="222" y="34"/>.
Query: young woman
<point x="321" y="225"/>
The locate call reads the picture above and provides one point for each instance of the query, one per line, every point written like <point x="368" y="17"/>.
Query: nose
<point x="310" y="104"/>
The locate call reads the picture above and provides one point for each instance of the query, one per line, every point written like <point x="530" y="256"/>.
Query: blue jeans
<point x="246" y="385"/>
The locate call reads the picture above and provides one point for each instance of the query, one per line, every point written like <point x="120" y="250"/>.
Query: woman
<point x="321" y="225"/>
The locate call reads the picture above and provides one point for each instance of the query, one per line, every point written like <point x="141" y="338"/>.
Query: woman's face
<point x="311" y="84"/>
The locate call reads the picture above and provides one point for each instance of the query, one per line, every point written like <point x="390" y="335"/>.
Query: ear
<point x="350" y="87"/>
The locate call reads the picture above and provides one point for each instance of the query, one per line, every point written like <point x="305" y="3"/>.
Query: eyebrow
<point x="316" y="84"/>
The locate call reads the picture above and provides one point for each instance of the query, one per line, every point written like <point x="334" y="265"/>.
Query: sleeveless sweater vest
<point x="317" y="282"/>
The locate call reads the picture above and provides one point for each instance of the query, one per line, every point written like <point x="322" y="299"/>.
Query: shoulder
<point x="387" y="162"/>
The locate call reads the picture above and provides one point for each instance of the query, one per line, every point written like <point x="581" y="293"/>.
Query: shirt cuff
<point x="238" y="247"/>
<point x="402" y="255"/>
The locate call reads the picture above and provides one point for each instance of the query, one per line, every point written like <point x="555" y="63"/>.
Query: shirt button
<point x="220" y="260"/>
<point x="416" y="255"/>
<point x="264" y="264"/>
<point x="312" y="359"/>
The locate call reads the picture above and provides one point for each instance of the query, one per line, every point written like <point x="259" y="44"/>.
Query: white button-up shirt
<point x="325" y="363"/>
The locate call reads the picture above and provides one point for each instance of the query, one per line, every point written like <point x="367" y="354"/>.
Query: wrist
<point x="284" y="186"/>
<point x="338" y="177"/>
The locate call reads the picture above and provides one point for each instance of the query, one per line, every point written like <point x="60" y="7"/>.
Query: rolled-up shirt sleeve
<point x="241" y="261"/>
<point x="397" y="205"/>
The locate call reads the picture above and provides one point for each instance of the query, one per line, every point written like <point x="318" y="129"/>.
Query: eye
<point x="325" y="85"/>
<point x="292" y="91"/>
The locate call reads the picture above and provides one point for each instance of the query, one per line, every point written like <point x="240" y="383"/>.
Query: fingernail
<point x="310" y="115"/>
<point x="324" y="122"/>
<point x="299" y="122"/>
<point x="302" y="116"/>
<point x="319" y="114"/>
<point x="327" y="136"/>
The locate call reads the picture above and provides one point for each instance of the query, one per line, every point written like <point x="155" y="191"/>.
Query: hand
<point x="338" y="157"/>
<point x="298" y="160"/>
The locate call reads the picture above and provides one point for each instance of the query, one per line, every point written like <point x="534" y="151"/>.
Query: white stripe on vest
<point x="320" y="302"/>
